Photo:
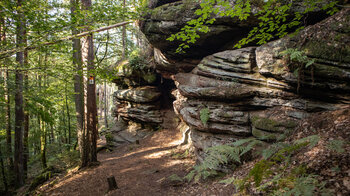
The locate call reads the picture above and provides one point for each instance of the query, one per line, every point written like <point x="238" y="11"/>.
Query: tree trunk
<point x="7" y="101"/>
<point x="124" y="36"/>
<point x="19" y="114"/>
<point x="91" y="91"/>
<point x="4" y="180"/>
<point x="26" y="119"/>
<point x="105" y="105"/>
<point x="68" y="117"/>
<point x="43" y="145"/>
<point x="78" y="80"/>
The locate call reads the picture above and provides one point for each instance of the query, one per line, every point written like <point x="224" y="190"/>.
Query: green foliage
<point x="137" y="61"/>
<point x="204" y="115"/>
<point x="276" y="19"/>
<point x="299" y="58"/>
<point x="274" y="175"/>
<point x="337" y="145"/>
<point x="109" y="138"/>
<point x="222" y="155"/>
<point x="45" y="175"/>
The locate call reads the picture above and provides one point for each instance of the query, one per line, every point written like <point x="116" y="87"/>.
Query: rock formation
<point x="136" y="103"/>
<point x="254" y="91"/>
<point x="138" y="97"/>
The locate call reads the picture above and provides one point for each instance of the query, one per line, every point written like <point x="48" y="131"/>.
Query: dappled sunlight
<point x="157" y="154"/>
<point x="131" y="165"/>
<point x="175" y="162"/>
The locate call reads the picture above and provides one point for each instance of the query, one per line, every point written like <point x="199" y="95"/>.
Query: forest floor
<point x="144" y="169"/>
<point x="139" y="169"/>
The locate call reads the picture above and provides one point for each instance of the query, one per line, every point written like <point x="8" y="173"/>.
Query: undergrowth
<point x="273" y="174"/>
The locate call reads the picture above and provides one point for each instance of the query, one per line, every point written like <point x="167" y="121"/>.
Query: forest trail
<point x="138" y="169"/>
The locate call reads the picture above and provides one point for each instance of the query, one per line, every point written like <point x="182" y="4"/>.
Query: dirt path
<point x="140" y="170"/>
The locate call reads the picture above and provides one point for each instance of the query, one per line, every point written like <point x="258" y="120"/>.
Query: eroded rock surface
<point x="138" y="97"/>
<point x="252" y="92"/>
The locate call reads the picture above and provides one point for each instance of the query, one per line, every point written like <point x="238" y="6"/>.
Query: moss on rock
<point x="270" y="125"/>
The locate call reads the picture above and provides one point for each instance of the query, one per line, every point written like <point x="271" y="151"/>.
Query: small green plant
<point x="299" y="62"/>
<point x="337" y="146"/>
<point x="109" y="138"/>
<point x="137" y="61"/>
<point x="222" y="155"/>
<point x="204" y="115"/>
<point x="274" y="174"/>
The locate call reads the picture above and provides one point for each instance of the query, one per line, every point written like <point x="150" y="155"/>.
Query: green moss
<point x="330" y="51"/>
<point x="171" y="12"/>
<point x="263" y="135"/>
<point x="272" y="125"/>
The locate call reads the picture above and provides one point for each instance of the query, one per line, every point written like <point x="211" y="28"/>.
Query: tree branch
<point x="7" y="53"/>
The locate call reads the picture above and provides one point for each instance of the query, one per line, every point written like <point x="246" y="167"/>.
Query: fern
<point x="273" y="171"/>
<point x="204" y="115"/>
<point x="311" y="141"/>
<point x="337" y="146"/>
<point x="218" y="156"/>
<point x="260" y="170"/>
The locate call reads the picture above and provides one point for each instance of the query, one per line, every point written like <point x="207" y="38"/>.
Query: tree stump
<point x="112" y="184"/>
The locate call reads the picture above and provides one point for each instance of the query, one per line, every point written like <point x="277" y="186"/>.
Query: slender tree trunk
<point x="8" y="122"/>
<point x="68" y="117"/>
<point x="26" y="118"/>
<point x="52" y="135"/>
<point x="7" y="100"/>
<point x="100" y="102"/>
<point x="64" y="138"/>
<point x="91" y="92"/>
<point x="4" y="180"/>
<point x="78" y="80"/>
<point x="19" y="114"/>
<point x="124" y="36"/>
<point x="43" y="145"/>
<point x="105" y="104"/>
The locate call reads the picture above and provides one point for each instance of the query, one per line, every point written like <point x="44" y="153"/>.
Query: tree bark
<point x="19" y="114"/>
<point x="4" y="180"/>
<point x="124" y="36"/>
<point x="26" y="118"/>
<point x="105" y="105"/>
<point x="91" y="90"/>
<point x="68" y="117"/>
<point x="43" y="146"/>
<point x="78" y="80"/>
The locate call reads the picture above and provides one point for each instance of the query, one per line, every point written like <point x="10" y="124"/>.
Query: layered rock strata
<point x="138" y="97"/>
<point x="252" y="92"/>
<point x="170" y="16"/>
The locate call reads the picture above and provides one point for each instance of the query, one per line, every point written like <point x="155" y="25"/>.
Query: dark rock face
<point x="252" y="92"/>
<point x="168" y="19"/>
<point x="169" y="16"/>
<point x="157" y="3"/>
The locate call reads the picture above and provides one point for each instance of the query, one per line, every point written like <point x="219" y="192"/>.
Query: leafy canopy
<point x="276" y="19"/>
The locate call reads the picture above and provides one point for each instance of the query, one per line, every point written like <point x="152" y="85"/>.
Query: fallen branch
<point x="20" y="49"/>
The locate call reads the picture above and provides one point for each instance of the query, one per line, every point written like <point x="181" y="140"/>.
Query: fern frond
<point x="311" y="140"/>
